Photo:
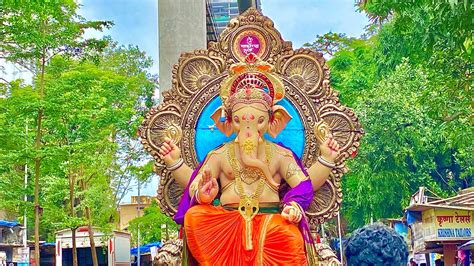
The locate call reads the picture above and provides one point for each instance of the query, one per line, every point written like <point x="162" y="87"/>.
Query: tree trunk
<point x="37" y="211"/>
<point x="74" y="246"/>
<point x="72" y="181"/>
<point x="38" y="159"/>
<point x="91" y="237"/>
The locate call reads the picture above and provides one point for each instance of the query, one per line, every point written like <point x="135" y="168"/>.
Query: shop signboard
<point x="441" y="224"/>
<point x="419" y="258"/>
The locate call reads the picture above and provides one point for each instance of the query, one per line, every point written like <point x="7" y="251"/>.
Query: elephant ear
<point x="281" y="117"/>
<point x="221" y="122"/>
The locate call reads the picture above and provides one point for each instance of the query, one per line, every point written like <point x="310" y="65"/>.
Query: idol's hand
<point x="169" y="152"/>
<point x="207" y="188"/>
<point x="292" y="214"/>
<point x="329" y="149"/>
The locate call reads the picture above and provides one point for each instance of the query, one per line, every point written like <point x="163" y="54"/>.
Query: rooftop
<point x="425" y="199"/>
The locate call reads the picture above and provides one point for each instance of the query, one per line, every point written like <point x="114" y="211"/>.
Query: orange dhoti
<point x="216" y="236"/>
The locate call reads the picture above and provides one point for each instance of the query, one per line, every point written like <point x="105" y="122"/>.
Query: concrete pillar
<point x="449" y="254"/>
<point x="181" y="28"/>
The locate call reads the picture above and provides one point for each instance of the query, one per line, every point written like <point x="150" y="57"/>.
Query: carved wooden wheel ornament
<point x="196" y="79"/>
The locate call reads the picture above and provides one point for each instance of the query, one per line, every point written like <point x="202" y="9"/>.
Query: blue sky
<point x="299" y="21"/>
<point x="136" y="22"/>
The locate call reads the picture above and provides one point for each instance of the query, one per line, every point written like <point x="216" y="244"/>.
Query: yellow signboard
<point x="447" y="224"/>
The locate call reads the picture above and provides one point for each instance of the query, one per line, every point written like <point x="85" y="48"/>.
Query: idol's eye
<point x="261" y="120"/>
<point x="236" y="119"/>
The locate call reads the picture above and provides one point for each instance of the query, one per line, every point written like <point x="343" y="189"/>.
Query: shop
<point x="112" y="249"/>
<point x="13" y="249"/>
<point x="441" y="226"/>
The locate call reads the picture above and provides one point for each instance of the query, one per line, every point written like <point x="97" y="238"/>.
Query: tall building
<point x="130" y="211"/>
<point x="186" y="25"/>
<point x="182" y="28"/>
<point x="222" y="11"/>
<point x="210" y="27"/>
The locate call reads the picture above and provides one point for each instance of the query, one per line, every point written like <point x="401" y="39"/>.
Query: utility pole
<point x="340" y="237"/>
<point x="138" y="225"/>
<point x="25" y="224"/>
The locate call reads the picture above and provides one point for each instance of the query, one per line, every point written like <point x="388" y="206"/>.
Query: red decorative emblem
<point x="250" y="58"/>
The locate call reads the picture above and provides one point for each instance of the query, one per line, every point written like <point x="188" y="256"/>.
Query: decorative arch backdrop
<point x="208" y="137"/>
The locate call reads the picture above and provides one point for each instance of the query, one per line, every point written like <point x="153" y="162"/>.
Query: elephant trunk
<point x="249" y="142"/>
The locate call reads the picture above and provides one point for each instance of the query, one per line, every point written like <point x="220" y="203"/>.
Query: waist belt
<point x="262" y="208"/>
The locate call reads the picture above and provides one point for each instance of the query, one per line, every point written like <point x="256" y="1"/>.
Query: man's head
<point x="376" y="244"/>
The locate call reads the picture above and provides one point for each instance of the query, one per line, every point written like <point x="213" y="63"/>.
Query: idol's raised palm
<point x="169" y="152"/>
<point x="207" y="188"/>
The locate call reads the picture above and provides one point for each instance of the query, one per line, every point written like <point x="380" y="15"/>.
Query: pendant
<point x="248" y="208"/>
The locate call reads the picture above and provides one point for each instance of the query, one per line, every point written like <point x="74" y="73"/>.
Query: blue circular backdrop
<point x="208" y="137"/>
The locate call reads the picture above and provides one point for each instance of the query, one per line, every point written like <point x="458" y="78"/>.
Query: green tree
<point x="396" y="151"/>
<point x="150" y="225"/>
<point x="409" y="80"/>
<point x="330" y="43"/>
<point x="30" y="35"/>
<point x="88" y="104"/>
<point x="91" y="105"/>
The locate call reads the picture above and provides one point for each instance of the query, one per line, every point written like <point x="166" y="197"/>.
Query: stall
<point x="12" y="245"/>
<point x="147" y="253"/>
<point x="441" y="225"/>
<point x="112" y="249"/>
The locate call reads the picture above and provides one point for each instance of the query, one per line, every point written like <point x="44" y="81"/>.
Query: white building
<point x="111" y="249"/>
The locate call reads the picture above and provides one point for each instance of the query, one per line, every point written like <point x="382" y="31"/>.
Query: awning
<point x="4" y="223"/>
<point x="467" y="246"/>
<point x="145" y="248"/>
<point x="413" y="217"/>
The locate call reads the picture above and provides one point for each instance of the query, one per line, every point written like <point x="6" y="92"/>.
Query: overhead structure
<point x="441" y="225"/>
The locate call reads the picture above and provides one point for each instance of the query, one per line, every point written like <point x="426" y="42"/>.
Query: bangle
<point x="193" y="188"/>
<point x="296" y="206"/>
<point x="175" y="165"/>
<point x="326" y="163"/>
<point x="196" y="196"/>
<point x="198" y="200"/>
<point x="299" y="210"/>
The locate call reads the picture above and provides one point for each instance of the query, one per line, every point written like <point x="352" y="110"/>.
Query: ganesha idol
<point x="233" y="210"/>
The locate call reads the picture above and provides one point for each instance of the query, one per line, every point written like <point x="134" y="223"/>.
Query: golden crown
<point x="252" y="81"/>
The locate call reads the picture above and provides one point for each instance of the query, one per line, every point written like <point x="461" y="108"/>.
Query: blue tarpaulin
<point x="335" y="243"/>
<point x="145" y="248"/>
<point x="4" y="223"/>
<point x="413" y="217"/>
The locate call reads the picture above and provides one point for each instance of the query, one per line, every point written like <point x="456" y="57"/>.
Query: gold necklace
<point x="249" y="204"/>
<point x="241" y="173"/>
<point x="248" y="175"/>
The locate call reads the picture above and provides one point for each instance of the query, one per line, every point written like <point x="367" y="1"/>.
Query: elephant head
<point x="249" y="96"/>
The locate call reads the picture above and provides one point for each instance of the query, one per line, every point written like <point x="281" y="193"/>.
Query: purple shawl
<point x="186" y="201"/>
<point x="301" y="194"/>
